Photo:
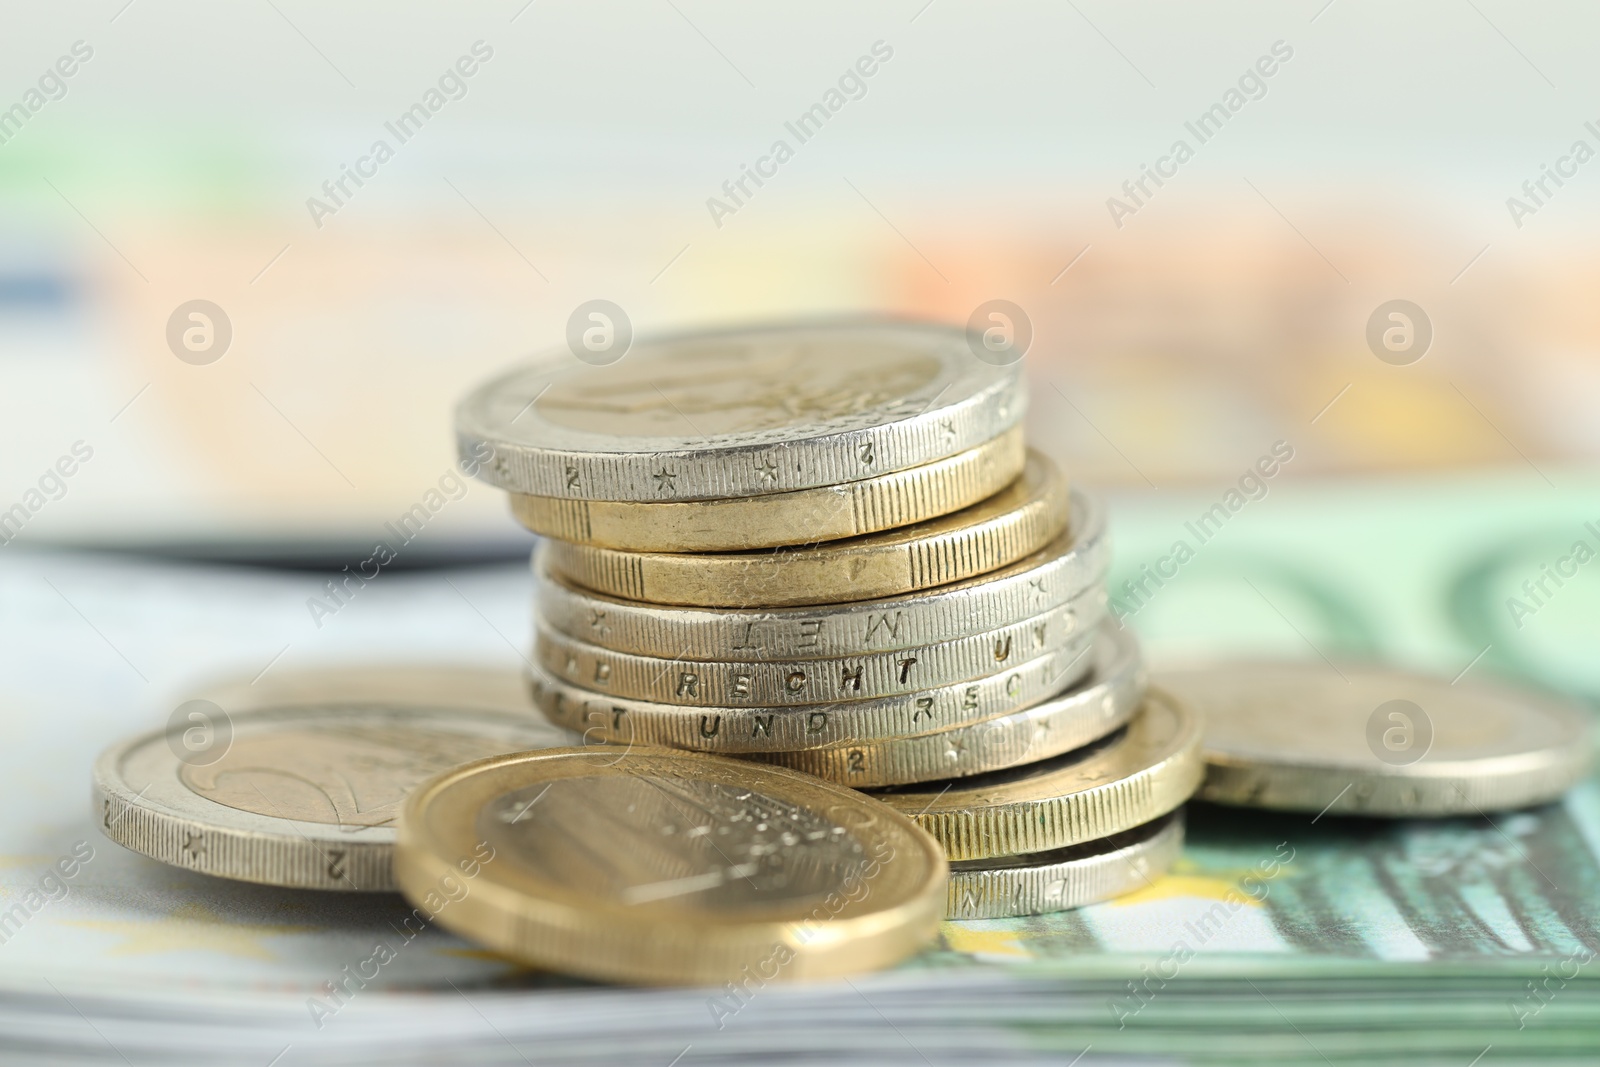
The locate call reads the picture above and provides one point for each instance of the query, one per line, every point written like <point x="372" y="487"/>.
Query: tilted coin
<point x="1092" y="708"/>
<point x="1057" y="575"/>
<point x="602" y="717"/>
<point x="738" y="413"/>
<point x="697" y="683"/>
<point x="669" y="867"/>
<point x="801" y="516"/>
<point x="1131" y="777"/>
<point x="1006" y="886"/>
<point x="301" y="795"/>
<point x="1015" y="522"/>
<point x="1370" y="740"/>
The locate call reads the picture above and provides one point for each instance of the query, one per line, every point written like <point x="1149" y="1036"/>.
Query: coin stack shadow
<point x="937" y="635"/>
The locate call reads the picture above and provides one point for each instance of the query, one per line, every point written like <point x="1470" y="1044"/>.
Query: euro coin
<point x="1086" y="712"/>
<point x="1008" y="886"/>
<point x="727" y="729"/>
<point x="802" y="516"/>
<point x="1131" y="777"/>
<point x="698" y="683"/>
<point x="1370" y="740"/>
<point x="302" y="794"/>
<point x="664" y="867"/>
<point x="1015" y="522"/>
<point x="1067" y="571"/>
<point x="737" y="413"/>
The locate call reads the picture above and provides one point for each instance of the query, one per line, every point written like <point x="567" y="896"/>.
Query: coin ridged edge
<point x="1068" y="569"/>
<point x="844" y="570"/>
<point x="700" y="683"/>
<point x="1009" y="892"/>
<point x="1016" y="828"/>
<point x="803" y="516"/>
<point x="1081" y="715"/>
<point x="735" y="730"/>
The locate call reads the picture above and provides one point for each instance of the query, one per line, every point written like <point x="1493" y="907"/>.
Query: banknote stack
<point x="829" y="548"/>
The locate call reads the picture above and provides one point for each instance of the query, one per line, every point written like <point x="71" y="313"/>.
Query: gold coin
<point x="713" y="683"/>
<point x="805" y="516"/>
<point x="1130" y="778"/>
<point x="1018" y="520"/>
<point x="603" y="717"/>
<point x="1084" y="713"/>
<point x="668" y="867"/>
<point x="1003" y="887"/>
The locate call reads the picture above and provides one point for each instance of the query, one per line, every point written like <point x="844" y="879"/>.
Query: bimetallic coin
<point x="1071" y="877"/>
<point x="303" y="795"/>
<point x="1068" y="571"/>
<point x="1369" y="740"/>
<point x="1088" y="711"/>
<point x="601" y="717"/>
<point x="803" y="516"/>
<point x="1015" y="522"/>
<point x="739" y="413"/>
<point x="1131" y="777"/>
<point x="696" y="683"/>
<point x="668" y="867"/>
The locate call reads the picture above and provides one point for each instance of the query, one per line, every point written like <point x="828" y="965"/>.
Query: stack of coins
<point x="828" y="548"/>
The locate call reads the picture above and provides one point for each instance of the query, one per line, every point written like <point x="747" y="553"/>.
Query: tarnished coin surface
<point x="1371" y="740"/>
<point x="1071" y="877"/>
<point x="302" y="793"/>
<point x="802" y="516"/>
<point x="739" y="413"/>
<point x="663" y="867"/>
<point x="1066" y="572"/>
<point x="1087" y="711"/>
<point x="1131" y="777"/>
<point x="700" y="683"/>
<point x="1011" y="524"/>
<point x="728" y="729"/>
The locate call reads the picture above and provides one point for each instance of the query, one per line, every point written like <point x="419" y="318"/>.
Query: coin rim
<point x="1010" y="828"/>
<point x="1158" y="842"/>
<point x="985" y="400"/>
<point x="248" y="846"/>
<point x="1080" y="553"/>
<point x="827" y="513"/>
<point x="598" y="940"/>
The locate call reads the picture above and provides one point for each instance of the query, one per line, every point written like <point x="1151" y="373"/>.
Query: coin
<point x="699" y="683"/>
<point x="1057" y="575"/>
<point x="1131" y="777"/>
<point x="738" y="413"/>
<point x="1086" y="712"/>
<point x="668" y="867"/>
<point x="1017" y="521"/>
<point x="801" y="516"/>
<point x="603" y="717"/>
<point x="304" y="795"/>
<point x="1006" y="886"/>
<point x="1370" y="740"/>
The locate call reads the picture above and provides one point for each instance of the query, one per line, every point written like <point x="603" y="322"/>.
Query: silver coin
<point x="1071" y="877"/>
<point x="745" y="412"/>
<point x="700" y="683"/>
<point x="1057" y="576"/>
<point x="731" y="730"/>
<point x="1095" y="706"/>
<point x="1367" y="740"/>
<point x="301" y="794"/>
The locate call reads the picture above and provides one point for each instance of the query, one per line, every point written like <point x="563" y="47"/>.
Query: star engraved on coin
<point x="664" y="479"/>
<point x="768" y="470"/>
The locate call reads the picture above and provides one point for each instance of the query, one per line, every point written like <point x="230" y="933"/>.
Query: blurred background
<point x="513" y="160"/>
